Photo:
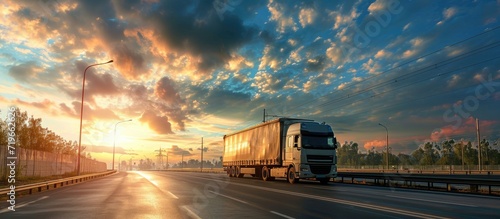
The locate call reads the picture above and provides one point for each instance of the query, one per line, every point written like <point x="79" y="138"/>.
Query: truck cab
<point x="310" y="148"/>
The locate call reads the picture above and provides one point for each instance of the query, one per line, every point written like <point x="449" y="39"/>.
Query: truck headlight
<point x="304" y="169"/>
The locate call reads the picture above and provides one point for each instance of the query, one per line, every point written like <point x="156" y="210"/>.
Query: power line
<point x="393" y="68"/>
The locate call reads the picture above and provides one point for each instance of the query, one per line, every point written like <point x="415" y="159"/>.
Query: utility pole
<point x="160" y="156"/>
<point x="478" y="143"/>
<point x="201" y="154"/>
<point x="387" y="146"/>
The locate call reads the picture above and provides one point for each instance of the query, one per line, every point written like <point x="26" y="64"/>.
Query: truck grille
<point x="320" y="169"/>
<point x="319" y="158"/>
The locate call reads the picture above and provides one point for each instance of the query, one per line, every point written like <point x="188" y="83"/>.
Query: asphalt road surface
<point x="203" y="195"/>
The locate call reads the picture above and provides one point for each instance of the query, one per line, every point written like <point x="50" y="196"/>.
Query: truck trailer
<point x="285" y="147"/>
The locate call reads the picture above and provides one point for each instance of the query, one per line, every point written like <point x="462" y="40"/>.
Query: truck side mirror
<point x="335" y="143"/>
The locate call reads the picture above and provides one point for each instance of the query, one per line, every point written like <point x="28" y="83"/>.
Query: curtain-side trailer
<point x="285" y="147"/>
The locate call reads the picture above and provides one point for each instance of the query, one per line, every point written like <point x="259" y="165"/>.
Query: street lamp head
<point x="110" y="61"/>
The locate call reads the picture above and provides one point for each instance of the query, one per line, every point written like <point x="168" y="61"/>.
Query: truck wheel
<point x="265" y="174"/>
<point x="291" y="175"/>
<point x="232" y="171"/>
<point x="238" y="172"/>
<point x="324" y="181"/>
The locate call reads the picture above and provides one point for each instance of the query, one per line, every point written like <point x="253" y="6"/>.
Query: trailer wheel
<point x="265" y="174"/>
<point x="238" y="172"/>
<point x="291" y="175"/>
<point x="232" y="171"/>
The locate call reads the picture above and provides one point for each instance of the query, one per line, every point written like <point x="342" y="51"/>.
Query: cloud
<point x="417" y="45"/>
<point x="307" y="16"/>
<point x="165" y="90"/>
<point x="45" y="104"/>
<point x="176" y="150"/>
<point x="25" y="72"/>
<point x="375" y="144"/>
<point x="89" y="114"/>
<point x="371" y="66"/>
<point x="382" y="54"/>
<point x="279" y="13"/>
<point x="194" y="28"/>
<point x="159" y="124"/>
<point x="449" y="12"/>
<point x="130" y="63"/>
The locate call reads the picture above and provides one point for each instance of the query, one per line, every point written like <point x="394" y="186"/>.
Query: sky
<point x="193" y="69"/>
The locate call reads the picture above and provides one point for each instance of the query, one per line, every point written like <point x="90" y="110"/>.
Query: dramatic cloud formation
<point x="183" y="70"/>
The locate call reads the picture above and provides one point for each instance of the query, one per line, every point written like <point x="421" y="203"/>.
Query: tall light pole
<point x="201" y="170"/>
<point x="114" y="141"/>
<point x="386" y="147"/>
<point x="81" y="115"/>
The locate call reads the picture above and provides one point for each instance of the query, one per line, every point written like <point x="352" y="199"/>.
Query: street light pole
<point x="387" y="146"/>
<point x="119" y="163"/>
<point x="201" y="170"/>
<point x="114" y="141"/>
<point x="81" y="115"/>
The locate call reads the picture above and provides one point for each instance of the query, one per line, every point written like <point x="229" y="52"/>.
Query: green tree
<point x="348" y="154"/>
<point x="470" y="154"/>
<point x="430" y="156"/>
<point x="448" y="155"/>
<point x="373" y="158"/>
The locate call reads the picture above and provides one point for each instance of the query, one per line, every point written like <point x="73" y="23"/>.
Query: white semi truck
<point x="285" y="147"/>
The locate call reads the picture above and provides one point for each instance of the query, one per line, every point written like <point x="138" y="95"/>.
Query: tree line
<point x="448" y="152"/>
<point x="30" y="134"/>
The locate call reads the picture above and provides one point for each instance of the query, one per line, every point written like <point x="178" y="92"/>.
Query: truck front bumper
<point x="317" y="171"/>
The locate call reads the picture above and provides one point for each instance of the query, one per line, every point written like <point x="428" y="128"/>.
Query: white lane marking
<point x="147" y="178"/>
<point x="174" y="196"/>
<point x="426" y="200"/>
<point x="282" y="215"/>
<point x="24" y="204"/>
<point x="190" y="213"/>
<point x="345" y="202"/>
<point x="229" y="197"/>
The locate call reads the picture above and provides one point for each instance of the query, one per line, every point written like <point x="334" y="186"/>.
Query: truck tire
<point x="232" y="171"/>
<point x="238" y="172"/>
<point x="324" y="181"/>
<point x="291" y="175"/>
<point x="266" y="174"/>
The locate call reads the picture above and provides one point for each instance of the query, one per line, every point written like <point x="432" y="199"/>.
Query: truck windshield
<point x="317" y="142"/>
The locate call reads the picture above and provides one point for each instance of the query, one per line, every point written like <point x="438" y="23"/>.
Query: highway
<point x="150" y="194"/>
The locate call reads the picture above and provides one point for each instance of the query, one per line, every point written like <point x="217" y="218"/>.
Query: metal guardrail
<point x="418" y="171"/>
<point x="38" y="187"/>
<point x="205" y="170"/>
<point x="411" y="180"/>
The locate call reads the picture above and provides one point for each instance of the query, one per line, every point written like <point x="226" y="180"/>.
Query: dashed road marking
<point x="282" y="215"/>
